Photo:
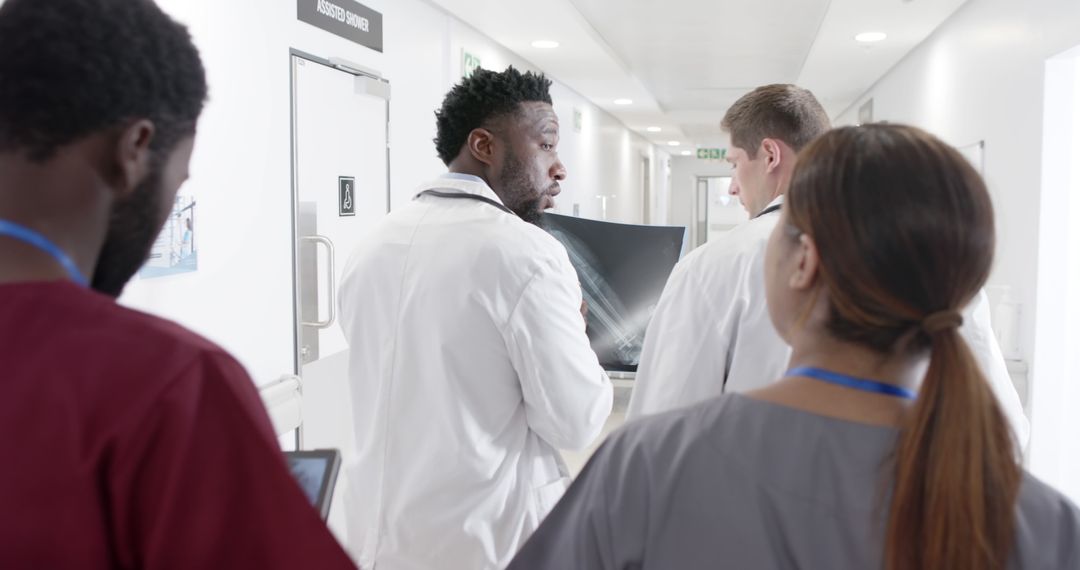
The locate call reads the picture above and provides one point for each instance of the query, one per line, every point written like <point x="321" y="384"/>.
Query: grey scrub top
<point x="745" y="484"/>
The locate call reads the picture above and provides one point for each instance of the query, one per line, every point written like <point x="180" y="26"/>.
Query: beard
<point x="134" y="224"/>
<point x="521" y="195"/>
<point x="531" y="212"/>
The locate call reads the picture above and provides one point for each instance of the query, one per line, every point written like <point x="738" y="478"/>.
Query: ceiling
<point x="683" y="62"/>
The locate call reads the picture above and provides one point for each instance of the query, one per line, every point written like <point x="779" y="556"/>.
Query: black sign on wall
<point x="346" y="196"/>
<point x="346" y="18"/>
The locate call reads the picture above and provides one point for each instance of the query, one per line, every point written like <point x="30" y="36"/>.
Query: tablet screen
<point x="316" y="472"/>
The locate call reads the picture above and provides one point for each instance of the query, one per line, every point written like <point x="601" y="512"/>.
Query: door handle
<point x="333" y="286"/>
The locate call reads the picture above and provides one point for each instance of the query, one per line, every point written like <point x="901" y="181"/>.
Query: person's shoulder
<point x="1047" y="525"/>
<point x="533" y="237"/>
<point x="523" y="245"/>
<point x="747" y="237"/>
<point x="715" y="426"/>
<point x="671" y="433"/>
<point x="116" y="362"/>
<point x="131" y="343"/>
<point x="1037" y="497"/>
<point x="88" y="320"/>
<point x="136" y="328"/>
<point x="731" y="249"/>
<point x="486" y="225"/>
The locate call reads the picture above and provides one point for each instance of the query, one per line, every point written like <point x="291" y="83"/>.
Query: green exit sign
<point x="469" y="63"/>
<point x="711" y="153"/>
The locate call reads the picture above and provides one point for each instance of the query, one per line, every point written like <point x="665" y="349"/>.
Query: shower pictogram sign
<point x="346" y="196"/>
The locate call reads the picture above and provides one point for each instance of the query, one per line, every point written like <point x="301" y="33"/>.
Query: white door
<point x="717" y="211"/>
<point x="724" y="210"/>
<point x="340" y="191"/>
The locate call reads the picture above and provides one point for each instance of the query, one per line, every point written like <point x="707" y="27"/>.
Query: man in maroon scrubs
<point x="127" y="441"/>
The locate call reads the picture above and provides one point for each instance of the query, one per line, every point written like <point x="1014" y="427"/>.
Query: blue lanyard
<point x="852" y="382"/>
<point x="30" y="237"/>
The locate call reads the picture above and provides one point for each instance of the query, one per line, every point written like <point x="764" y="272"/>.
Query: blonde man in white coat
<point x="711" y="324"/>
<point x="469" y="364"/>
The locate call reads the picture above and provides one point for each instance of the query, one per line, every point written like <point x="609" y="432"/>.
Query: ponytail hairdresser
<point x="957" y="475"/>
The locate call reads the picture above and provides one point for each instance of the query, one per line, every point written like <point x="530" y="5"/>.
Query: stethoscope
<point x="768" y="210"/>
<point x="466" y="196"/>
<point x="35" y="239"/>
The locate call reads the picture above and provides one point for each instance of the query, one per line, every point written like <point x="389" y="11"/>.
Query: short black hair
<point x="71" y="68"/>
<point x="479" y="99"/>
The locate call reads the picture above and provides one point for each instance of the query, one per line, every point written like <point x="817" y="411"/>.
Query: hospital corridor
<point x="575" y="284"/>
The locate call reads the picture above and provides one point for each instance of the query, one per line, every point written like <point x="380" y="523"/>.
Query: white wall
<point x="981" y="77"/>
<point x="1057" y="327"/>
<point x="661" y="196"/>
<point x="685" y="170"/>
<point x="604" y="159"/>
<point x="241" y="295"/>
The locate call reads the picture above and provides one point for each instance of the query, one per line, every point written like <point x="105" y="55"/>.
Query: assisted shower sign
<point x="350" y="20"/>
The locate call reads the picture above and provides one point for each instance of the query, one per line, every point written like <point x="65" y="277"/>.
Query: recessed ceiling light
<point x="653" y="129"/>
<point x="686" y="153"/>
<point x="545" y="44"/>
<point x="870" y="37"/>
<point x="624" y="101"/>
<point x="673" y="143"/>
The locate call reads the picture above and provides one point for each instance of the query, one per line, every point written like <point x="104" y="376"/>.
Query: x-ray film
<point x="622" y="269"/>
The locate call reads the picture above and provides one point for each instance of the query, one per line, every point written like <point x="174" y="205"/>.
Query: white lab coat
<point x="469" y="368"/>
<point x="711" y="331"/>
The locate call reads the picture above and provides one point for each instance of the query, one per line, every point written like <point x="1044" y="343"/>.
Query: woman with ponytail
<point x="882" y="447"/>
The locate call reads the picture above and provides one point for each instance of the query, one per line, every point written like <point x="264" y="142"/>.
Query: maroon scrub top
<point x="126" y="441"/>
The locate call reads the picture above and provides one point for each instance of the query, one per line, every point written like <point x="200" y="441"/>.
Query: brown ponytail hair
<point x="906" y="230"/>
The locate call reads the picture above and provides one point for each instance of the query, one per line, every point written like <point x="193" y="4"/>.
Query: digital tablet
<point x="316" y="471"/>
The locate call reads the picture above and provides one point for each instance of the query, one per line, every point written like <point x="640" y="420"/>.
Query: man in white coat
<point x="469" y="365"/>
<point x="711" y="332"/>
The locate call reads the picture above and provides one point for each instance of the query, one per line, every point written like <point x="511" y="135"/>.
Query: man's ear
<point x="773" y="154"/>
<point x="132" y="155"/>
<point x="481" y="145"/>
<point x="806" y="272"/>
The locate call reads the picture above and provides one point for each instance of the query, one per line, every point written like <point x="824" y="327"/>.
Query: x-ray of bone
<point x="622" y="269"/>
<point x="606" y="310"/>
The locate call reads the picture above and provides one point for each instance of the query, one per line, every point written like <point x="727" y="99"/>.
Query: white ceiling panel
<point x="683" y="62"/>
<point x="686" y="51"/>
<point x="839" y="69"/>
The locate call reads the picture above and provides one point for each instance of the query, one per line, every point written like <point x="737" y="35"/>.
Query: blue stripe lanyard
<point x="30" y="237"/>
<point x="851" y="382"/>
